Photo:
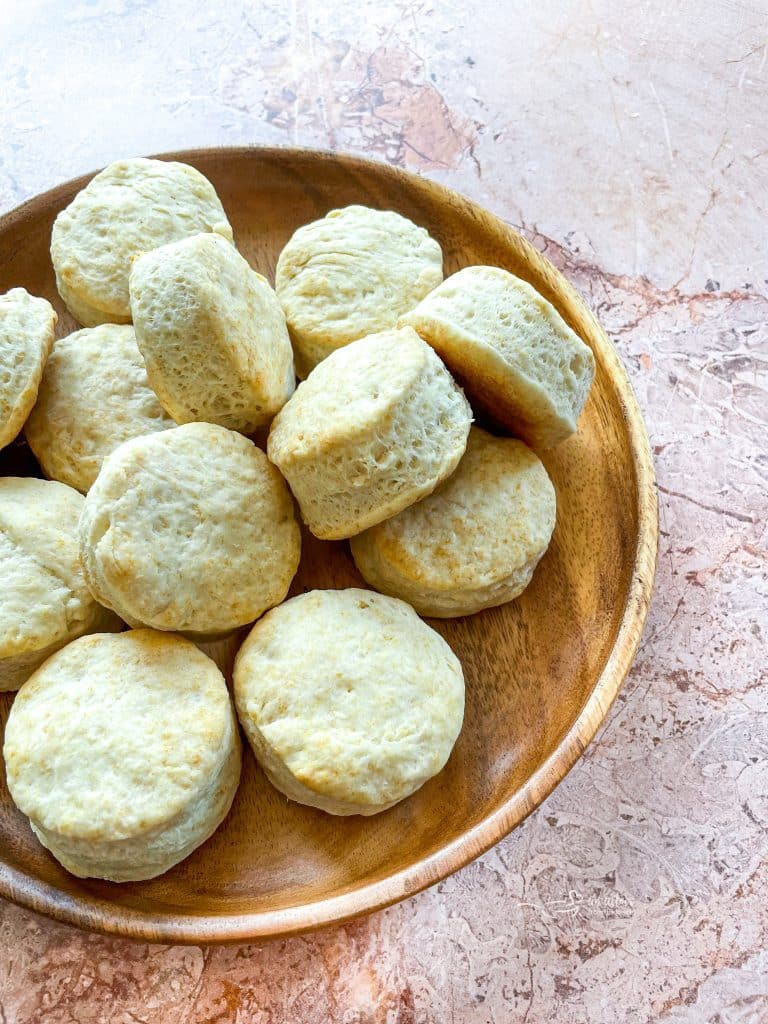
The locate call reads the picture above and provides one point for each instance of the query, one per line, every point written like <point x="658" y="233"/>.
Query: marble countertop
<point x="630" y="142"/>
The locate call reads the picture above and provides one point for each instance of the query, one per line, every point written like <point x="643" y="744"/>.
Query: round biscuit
<point x="26" y="336"/>
<point x="123" y="752"/>
<point x="45" y="601"/>
<point x="375" y="427"/>
<point x="350" y="702"/>
<point x="130" y="207"/>
<point x="212" y="334"/>
<point x="518" y="359"/>
<point x="93" y="396"/>
<point x="473" y="543"/>
<point x="189" y="529"/>
<point x="350" y="274"/>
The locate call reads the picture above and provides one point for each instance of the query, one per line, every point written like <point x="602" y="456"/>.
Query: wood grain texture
<point x="541" y="672"/>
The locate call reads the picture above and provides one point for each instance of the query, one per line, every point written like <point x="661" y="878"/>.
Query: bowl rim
<point x="102" y="915"/>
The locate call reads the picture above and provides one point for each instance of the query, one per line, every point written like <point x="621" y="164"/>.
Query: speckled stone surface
<point x="630" y="142"/>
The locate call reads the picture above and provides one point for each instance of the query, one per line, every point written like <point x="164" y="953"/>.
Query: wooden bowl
<point x="541" y="672"/>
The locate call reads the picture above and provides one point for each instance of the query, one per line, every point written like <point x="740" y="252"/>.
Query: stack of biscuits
<point x="161" y="525"/>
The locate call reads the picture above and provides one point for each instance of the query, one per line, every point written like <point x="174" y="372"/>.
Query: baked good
<point x="26" y="337"/>
<point x="518" y="359"/>
<point x="474" y="542"/>
<point x="93" y="396"/>
<point x="130" y="207"/>
<point x="189" y="529"/>
<point x="349" y="700"/>
<point x="374" y="428"/>
<point x="45" y="601"/>
<point x="123" y="752"/>
<point x="352" y="274"/>
<point x="212" y="334"/>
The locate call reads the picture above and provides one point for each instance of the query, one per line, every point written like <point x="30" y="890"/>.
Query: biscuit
<point x="474" y="542"/>
<point x="189" y="529"/>
<point x="26" y="337"/>
<point x="352" y="274"/>
<point x="375" y="427"/>
<point x="518" y="359"/>
<point x="349" y="701"/>
<point x="212" y="334"/>
<point x="123" y="752"/>
<point x="45" y="602"/>
<point x="130" y="207"/>
<point x="93" y="396"/>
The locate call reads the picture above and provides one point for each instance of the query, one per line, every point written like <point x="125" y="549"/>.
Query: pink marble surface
<point x="630" y="142"/>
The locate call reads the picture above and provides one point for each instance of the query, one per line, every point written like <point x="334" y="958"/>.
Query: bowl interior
<point x="531" y="667"/>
